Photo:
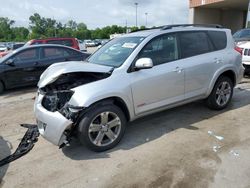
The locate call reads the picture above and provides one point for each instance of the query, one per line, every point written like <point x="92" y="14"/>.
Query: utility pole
<point x="146" y="14"/>
<point x="136" y="4"/>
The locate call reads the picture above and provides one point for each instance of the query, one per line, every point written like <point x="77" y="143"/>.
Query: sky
<point x="98" y="13"/>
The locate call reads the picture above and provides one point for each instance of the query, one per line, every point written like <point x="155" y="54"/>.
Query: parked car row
<point x="24" y="66"/>
<point x="96" y="42"/>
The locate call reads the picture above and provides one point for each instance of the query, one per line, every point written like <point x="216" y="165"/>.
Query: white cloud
<point x="96" y="13"/>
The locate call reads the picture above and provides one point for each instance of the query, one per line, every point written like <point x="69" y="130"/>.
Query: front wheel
<point x="102" y="127"/>
<point x="221" y="94"/>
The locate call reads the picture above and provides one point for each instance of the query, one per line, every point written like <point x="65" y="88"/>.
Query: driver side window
<point x="161" y="49"/>
<point x="27" y="55"/>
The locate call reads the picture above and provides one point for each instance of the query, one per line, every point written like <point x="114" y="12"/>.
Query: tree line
<point x="41" y="27"/>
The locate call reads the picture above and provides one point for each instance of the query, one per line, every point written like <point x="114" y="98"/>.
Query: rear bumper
<point x="247" y="67"/>
<point x="51" y="125"/>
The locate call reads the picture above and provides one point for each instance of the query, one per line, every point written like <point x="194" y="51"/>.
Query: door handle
<point x="178" y="70"/>
<point x="36" y="63"/>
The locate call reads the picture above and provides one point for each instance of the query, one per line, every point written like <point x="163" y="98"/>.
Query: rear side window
<point x="52" y="53"/>
<point x="219" y="39"/>
<point x="73" y="52"/>
<point x="66" y="42"/>
<point x="194" y="43"/>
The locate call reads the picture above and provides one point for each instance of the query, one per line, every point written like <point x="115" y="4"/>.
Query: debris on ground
<point x="217" y="137"/>
<point x="234" y="153"/>
<point x="216" y="148"/>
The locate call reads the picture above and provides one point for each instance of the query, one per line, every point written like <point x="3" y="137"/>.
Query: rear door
<point x="200" y="61"/>
<point x="50" y="55"/>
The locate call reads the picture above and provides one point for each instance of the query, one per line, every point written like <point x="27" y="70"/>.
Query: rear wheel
<point x="221" y="94"/>
<point x="102" y="127"/>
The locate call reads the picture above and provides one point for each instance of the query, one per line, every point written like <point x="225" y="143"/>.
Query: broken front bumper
<point x="51" y="125"/>
<point x="26" y="144"/>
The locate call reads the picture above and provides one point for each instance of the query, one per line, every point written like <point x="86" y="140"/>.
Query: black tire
<point x="1" y="87"/>
<point x="85" y="137"/>
<point x="212" y="102"/>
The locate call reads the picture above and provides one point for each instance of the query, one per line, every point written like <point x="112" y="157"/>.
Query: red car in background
<point x="70" y="42"/>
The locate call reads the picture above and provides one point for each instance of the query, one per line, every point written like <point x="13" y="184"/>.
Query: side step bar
<point x="26" y="144"/>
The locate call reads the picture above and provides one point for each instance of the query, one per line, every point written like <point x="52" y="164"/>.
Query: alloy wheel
<point x="223" y="93"/>
<point x="104" y="128"/>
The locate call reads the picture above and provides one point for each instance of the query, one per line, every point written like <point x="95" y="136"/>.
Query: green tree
<point x="20" y="33"/>
<point x="5" y="29"/>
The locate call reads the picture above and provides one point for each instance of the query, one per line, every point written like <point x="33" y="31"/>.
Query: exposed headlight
<point x="56" y="100"/>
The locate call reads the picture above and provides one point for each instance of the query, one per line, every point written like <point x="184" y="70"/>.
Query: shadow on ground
<point x="5" y="150"/>
<point x="18" y="91"/>
<point x="154" y="126"/>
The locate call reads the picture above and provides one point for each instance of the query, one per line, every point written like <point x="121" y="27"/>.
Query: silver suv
<point x="135" y="75"/>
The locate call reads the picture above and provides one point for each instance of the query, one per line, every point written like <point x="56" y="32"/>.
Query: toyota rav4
<point x="135" y="75"/>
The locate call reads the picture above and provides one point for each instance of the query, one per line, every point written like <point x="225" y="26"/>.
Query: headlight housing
<point x="56" y="100"/>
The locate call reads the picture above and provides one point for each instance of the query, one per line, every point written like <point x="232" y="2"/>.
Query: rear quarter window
<point x="219" y="39"/>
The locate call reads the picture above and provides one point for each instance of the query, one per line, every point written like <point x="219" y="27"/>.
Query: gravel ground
<point x="189" y="146"/>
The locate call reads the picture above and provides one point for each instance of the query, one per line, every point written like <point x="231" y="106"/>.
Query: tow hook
<point x="26" y="144"/>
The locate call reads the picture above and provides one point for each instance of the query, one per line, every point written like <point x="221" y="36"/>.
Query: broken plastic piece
<point x="26" y="144"/>
<point x="216" y="148"/>
<point x="236" y="154"/>
<point x="218" y="137"/>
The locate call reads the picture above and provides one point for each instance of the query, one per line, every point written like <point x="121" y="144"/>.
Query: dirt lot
<point x="174" y="148"/>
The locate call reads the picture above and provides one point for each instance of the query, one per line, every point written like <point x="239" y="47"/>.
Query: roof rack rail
<point x="145" y="29"/>
<point x="191" y="25"/>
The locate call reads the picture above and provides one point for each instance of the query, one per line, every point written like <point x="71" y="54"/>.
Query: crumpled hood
<point x="57" y="69"/>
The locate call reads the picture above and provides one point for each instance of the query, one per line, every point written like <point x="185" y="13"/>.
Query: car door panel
<point x="201" y="62"/>
<point x="164" y="83"/>
<point x="157" y="87"/>
<point x="24" y="70"/>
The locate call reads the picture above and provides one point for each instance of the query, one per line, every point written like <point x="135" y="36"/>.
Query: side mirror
<point x="144" y="63"/>
<point x="10" y="62"/>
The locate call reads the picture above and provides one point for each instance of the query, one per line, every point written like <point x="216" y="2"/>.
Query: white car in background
<point x="82" y="45"/>
<point x="242" y="40"/>
<point x="3" y="48"/>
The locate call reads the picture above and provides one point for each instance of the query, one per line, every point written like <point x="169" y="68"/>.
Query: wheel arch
<point x="115" y="101"/>
<point x="230" y="73"/>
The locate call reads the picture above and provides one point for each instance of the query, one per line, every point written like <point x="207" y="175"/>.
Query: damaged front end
<point x="56" y="118"/>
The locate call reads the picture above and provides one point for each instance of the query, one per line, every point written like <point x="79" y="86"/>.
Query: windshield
<point x="115" y="52"/>
<point x="242" y="34"/>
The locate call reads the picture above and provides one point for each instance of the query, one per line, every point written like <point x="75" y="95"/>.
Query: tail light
<point x="238" y="49"/>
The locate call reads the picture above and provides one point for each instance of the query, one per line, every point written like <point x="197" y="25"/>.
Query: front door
<point x="23" y="71"/>
<point x="164" y="83"/>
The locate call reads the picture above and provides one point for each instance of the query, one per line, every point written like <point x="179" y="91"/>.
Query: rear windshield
<point x="219" y="39"/>
<point x="66" y="42"/>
